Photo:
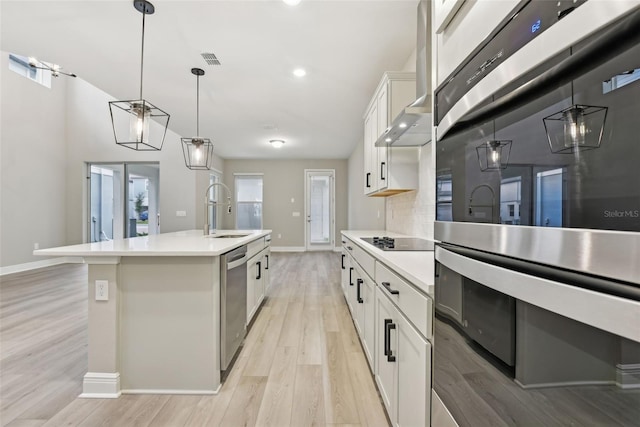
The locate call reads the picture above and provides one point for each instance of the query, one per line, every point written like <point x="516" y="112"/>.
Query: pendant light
<point x="494" y="154"/>
<point x="132" y="119"/>
<point x="198" y="152"/>
<point x="577" y="128"/>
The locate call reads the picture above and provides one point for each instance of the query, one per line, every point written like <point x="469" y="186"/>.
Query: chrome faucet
<point x="208" y="203"/>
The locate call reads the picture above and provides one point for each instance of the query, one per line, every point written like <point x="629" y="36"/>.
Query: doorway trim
<point x="329" y="246"/>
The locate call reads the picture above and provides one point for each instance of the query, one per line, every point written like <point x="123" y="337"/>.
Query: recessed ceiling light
<point x="402" y="125"/>
<point x="292" y="2"/>
<point x="276" y="143"/>
<point x="387" y="140"/>
<point x="299" y="72"/>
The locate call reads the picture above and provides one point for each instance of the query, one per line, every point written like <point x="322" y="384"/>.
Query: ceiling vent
<point x="211" y="59"/>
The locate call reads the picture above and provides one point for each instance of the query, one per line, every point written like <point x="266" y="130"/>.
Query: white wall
<point x="365" y="213"/>
<point x="32" y="161"/>
<point x="47" y="137"/>
<point x="90" y="139"/>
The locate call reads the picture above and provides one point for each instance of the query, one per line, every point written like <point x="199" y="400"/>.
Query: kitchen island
<point x="154" y="310"/>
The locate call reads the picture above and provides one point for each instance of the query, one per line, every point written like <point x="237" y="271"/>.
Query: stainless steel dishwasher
<point x="233" y="303"/>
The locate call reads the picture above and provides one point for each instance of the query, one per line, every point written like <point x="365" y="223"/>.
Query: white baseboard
<point x="19" y="268"/>
<point x="169" y="391"/>
<point x="101" y="385"/>
<point x="628" y="376"/>
<point x="287" y="249"/>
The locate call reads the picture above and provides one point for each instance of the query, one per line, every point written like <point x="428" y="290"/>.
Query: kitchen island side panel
<point x="170" y="324"/>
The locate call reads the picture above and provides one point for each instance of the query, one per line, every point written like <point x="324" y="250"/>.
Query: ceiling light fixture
<point x="54" y="68"/>
<point x="276" y="143"/>
<point x="198" y="152"/>
<point x="299" y="72"/>
<point x="292" y="2"/>
<point x="131" y="119"/>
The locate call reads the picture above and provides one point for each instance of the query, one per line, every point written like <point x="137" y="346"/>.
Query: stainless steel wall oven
<point x="538" y="215"/>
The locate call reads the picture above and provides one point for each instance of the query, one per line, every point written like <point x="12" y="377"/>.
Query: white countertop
<point x="416" y="267"/>
<point x="180" y="243"/>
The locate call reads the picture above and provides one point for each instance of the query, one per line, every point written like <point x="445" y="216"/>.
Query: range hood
<point x="414" y="125"/>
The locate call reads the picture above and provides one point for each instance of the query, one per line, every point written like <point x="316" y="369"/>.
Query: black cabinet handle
<point x="358" y="283"/>
<point x="343" y="242"/>
<point x="350" y="276"/>
<point x="350" y="248"/>
<point x="388" y="326"/>
<point x="368" y="175"/>
<point x="267" y="266"/>
<point x="387" y="286"/>
<point x="382" y="164"/>
<point x="259" y="265"/>
<point x="343" y="261"/>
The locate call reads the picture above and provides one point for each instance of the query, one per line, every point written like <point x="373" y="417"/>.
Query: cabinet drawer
<point x="254" y="247"/>
<point x="365" y="260"/>
<point x="418" y="308"/>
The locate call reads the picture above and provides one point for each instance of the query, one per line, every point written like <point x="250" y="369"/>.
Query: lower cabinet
<point x="257" y="277"/>
<point x="403" y="366"/>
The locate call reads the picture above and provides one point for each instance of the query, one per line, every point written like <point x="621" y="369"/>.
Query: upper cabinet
<point x="389" y="170"/>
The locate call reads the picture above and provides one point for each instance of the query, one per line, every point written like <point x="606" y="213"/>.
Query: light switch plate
<point x="296" y="213"/>
<point x="102" y="290"/>
<point x="181" y="213"/>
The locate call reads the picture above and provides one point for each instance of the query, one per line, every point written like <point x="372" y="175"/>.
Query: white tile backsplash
<point x="413" y="213"/>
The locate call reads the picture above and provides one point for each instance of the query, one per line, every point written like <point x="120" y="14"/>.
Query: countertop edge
<point x="406" y="273"/>
<point x="81" y="250"/>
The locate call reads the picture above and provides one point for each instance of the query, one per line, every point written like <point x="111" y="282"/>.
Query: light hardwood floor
<point x="301" y="363"/>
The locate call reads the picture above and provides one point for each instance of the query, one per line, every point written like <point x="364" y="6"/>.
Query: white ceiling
<point x="345" y="46"/>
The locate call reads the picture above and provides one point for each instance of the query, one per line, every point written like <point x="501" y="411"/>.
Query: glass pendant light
<point x="577" y="128"/>
<point x="198" y="151"/>
<point x="131" y="120"/>
<point x="494" y="154"/>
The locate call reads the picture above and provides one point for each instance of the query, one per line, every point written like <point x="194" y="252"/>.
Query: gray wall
<point x="365" y="213"/>
<point x="284" y="180"/>
<point x="33" y="189"/>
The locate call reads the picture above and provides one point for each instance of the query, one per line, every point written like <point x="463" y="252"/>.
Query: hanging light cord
<point x="198" y="106"/>
<point x="144" y="13"/>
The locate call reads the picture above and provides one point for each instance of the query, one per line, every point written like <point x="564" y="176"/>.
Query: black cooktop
<point x="400" y="243"/>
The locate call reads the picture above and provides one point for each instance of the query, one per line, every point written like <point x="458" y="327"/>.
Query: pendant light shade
<point x="577" y="128"/>
<point x="132" y="119"/>
<point x="198" y="151"/>
<point x="493" y="154"/>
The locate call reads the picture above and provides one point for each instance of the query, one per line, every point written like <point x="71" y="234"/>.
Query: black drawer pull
<point x="350" y="248"/>
<point x="343" y="261"/>
<point x="388" y="326"/>
<point x="359" y="282"/>
<point x="350" y="276"/>
<point x="259" y="265"/>
<point x="387" y="286"/>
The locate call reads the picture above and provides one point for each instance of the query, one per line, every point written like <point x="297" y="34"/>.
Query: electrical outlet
<point x="295" y="213"/>
<point x="181" y="213"/>
<point x="102" y="290"/>
<point x="279" y="236"/>
<point x="36" y="246"/>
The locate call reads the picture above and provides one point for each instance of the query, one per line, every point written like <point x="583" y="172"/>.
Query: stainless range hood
<point x="413" y="126"/>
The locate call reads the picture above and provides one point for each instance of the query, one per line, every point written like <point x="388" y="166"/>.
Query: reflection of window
<point x="20" y="65"/>
<point x="510" y="200"/>
<point x="549" y="198"/>
<point x="620" y="80"/>
<point x="248" y="202"/>
<point x="444" y="193"/>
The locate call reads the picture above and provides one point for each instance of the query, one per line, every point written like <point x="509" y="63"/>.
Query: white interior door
<point x="319" y="209"/>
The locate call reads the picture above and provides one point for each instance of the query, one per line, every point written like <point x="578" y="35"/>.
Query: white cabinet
<point x="403" y="366"/>
<point x="389" y="170"/>
<point x="258" y="278"/>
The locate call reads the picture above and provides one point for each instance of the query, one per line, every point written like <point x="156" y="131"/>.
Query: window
<point x="20" y="65"/>
<point x="248" y="201"/>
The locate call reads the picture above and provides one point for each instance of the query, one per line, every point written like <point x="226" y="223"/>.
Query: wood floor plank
<point x="310" y="350"/>
<point x="308" y="402"/>
<point x="339" y="397"/>
<point x="369" y="409"/>
<point x="275" y="409"/>
<point x="176" y="411"/>
<point x="245" y="403"/>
